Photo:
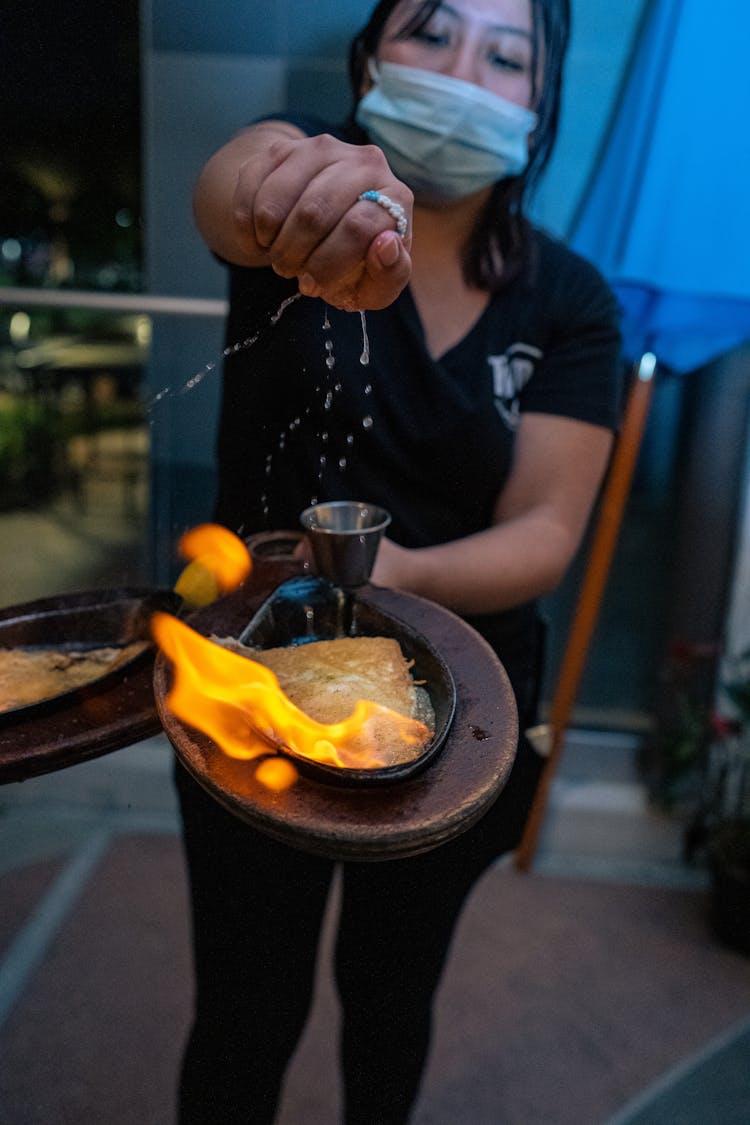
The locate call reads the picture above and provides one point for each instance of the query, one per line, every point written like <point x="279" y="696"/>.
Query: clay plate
<point x="79" y="622"/>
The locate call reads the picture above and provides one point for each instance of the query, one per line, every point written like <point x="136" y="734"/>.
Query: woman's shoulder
<point x="552" y="258"/>
<point x="567" y="281"/>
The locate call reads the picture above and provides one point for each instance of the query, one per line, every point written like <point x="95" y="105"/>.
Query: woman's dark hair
<point x="499" y="247"/>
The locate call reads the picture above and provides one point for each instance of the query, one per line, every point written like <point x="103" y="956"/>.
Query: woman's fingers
<point x="306" y="213"/>
<point x="379" y="280"/>
<point x="387" y="271"/>
<point x="333" y="252"/>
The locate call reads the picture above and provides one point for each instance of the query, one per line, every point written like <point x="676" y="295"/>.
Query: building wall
<point x="209" y="69"/>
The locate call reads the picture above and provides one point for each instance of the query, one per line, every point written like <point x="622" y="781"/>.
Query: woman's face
<point x="486" y="42"/>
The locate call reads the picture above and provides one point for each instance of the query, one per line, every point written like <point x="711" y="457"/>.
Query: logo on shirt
<point x="510" y="374"/>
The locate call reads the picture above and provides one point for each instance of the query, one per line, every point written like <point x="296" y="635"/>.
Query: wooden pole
<point x="614" y="499"/>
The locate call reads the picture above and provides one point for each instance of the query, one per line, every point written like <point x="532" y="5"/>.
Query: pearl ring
<point x="395" y="210"/>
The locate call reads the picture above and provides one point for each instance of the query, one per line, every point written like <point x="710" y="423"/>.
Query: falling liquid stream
<point x="327" y="401"/>
<point x="212" y="365"/>
<point x="364" y="359"/>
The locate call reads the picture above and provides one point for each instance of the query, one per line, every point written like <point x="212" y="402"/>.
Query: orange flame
<point x="238" y="703"/>
<point x="220" y="563"/>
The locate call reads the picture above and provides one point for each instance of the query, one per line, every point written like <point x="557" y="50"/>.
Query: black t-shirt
<point x="303" y="419"/>
<point x="432" y="440"/>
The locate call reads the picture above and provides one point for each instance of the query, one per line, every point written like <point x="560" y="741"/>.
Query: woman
<point x="483" y="423"/>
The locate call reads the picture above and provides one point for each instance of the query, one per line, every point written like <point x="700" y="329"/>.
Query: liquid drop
<point x="283" y="307"/>
<point x="232" y="349"/>
<point x="364" y="359"/>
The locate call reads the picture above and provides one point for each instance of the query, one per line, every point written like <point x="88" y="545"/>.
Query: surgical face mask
<point x="444" y="137"/>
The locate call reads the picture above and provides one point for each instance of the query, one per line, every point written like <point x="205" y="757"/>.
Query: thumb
<point x="388" y="268"/>
<point x="385" y="251"/>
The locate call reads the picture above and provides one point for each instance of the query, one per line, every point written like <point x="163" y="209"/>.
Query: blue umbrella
<point x="667" y="215"/>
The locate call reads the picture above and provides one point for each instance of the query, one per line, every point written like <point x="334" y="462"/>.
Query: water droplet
<point x="364" y="359"/>
<point x="368" y="388"/>
<point x="324" y="436"/>
<point x="283" y="307"/>
<point x="342" y="462"/>
<point x="228" y="351"/>
<point x="350" y="439"/>
<point x="328" y="401"/>
<point x="367" y="422"/>
<point x="330" y="362"/>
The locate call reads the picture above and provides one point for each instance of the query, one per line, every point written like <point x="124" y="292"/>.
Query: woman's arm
<point x="274" y="197"/>
<point x="216" y="204"/>
<point x="540" y="518"/>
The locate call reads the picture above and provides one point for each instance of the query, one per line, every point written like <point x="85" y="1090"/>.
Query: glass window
<point x="74" y="456"/>
<point x="70" y="162"/>
<point x="73" y="436"/>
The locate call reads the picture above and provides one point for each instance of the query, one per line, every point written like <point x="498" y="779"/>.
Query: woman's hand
<point x="393" y="566"/>
<point x="276" y="197"/>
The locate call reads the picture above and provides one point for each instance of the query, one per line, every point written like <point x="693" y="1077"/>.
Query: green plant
<point x="729" y="864"/>
<point x="675" y="757"/>
<point x="728" y="826"/>
<point x="737" y="685"/>
<point x="29" y="440"/>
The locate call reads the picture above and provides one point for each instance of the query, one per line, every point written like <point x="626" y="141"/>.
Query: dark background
<point x="70" y="159"/>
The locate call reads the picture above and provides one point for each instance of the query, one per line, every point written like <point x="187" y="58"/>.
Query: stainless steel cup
<point x="344" y="538"/>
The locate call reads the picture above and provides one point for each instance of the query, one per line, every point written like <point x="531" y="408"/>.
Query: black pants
<point x="257" y="912"/>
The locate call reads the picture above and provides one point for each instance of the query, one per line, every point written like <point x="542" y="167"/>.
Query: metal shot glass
<point x="344" y="538"/>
